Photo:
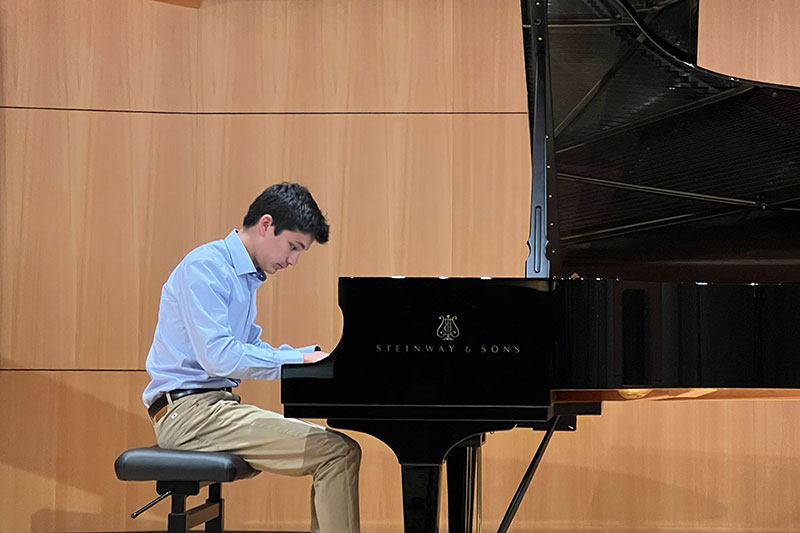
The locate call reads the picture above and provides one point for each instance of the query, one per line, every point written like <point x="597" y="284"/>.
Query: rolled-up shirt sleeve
<point x="204" y="300"/>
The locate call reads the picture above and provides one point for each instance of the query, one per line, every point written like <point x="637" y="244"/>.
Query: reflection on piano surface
<point x="645" y="168"/>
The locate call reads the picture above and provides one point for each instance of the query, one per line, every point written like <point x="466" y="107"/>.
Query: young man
<point x="206" y="341"/>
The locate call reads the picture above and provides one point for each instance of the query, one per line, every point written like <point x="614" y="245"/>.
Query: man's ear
<point x="265" y="222"/>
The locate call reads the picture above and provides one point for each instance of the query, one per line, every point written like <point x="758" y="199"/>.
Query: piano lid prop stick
<point x="526" y="479"/>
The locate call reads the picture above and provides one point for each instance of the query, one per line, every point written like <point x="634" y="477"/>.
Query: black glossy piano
<point x="663" y="262"/>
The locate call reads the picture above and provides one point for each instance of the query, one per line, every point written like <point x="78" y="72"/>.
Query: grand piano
<point x="663" y="262"/>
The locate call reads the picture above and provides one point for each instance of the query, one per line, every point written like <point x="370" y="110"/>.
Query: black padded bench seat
<point x="180" y="474"/>
<point x="157" y="464"/>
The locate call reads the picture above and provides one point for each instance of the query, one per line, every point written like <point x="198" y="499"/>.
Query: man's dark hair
<point x="292" y="208"/>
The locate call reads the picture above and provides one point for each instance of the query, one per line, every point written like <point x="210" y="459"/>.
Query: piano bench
<point x="180" y="474"/>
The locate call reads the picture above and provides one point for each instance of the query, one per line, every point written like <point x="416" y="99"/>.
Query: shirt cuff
<point x="292" y="356"/>
<point x="309" y="349"/>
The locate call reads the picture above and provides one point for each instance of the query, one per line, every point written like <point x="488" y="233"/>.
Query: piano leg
<point x="462" y="463"/>
<point x="421" y="448"/>
<point x="421" y="498"/>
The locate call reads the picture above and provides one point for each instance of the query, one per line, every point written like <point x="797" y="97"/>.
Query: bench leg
<point x="177" y="521"/>
<point x="211" y="513"/>
<point x="215" y="497"/>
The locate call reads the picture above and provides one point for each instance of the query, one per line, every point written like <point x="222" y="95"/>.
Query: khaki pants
<point x="215" y="422"/>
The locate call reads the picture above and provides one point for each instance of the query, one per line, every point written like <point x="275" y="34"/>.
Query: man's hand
<point x="313" y="357"/>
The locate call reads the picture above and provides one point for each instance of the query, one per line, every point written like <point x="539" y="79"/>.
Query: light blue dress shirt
<point x="206" y="336"/>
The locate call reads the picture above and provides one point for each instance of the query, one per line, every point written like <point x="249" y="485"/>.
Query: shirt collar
<point x="242" y="264"/>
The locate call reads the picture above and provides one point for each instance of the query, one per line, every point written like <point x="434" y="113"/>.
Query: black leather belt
<point x="161" y="402"/>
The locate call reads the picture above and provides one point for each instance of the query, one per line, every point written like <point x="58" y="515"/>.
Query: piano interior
<point x="663" y="170"/>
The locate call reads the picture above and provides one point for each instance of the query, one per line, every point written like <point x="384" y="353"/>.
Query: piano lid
<point x="665" y="171"/>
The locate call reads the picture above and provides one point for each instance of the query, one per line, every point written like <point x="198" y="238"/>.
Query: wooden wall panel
<point x="57" y="472"/>
<point x="656" y="466"/>
<point x="489" y="67"/>
<point x="330" y="56"/>
<point x="131" y="54"/>
<point x="491" y="195"/>
<point x="361" y="168"/>
<point x="96" y="210"/>
<point x="751" y="40"/>
<point x="361" y="55"/>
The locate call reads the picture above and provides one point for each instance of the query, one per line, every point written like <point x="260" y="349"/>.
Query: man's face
<point x="276" y="252"/>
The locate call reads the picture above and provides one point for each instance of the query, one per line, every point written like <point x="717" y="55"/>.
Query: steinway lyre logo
<point x="447" y="330"/>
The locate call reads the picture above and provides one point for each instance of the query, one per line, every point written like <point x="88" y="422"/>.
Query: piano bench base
<point x="180" y="474"/>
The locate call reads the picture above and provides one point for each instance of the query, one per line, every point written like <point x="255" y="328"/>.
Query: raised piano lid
<point x="662" y="170"/>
